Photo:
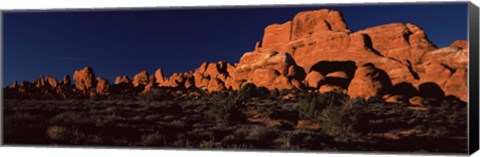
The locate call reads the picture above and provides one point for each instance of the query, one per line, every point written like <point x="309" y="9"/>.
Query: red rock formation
<point x="123" y="79"/>
<point x="180" y="80"/>
<point x="159" y="77"/>
<point x="141" y="79"/>
<point x="102" y="86"/>
<point x="52" y="82"/>
<point x="369" y="81"/>
<point x="317" y="50"/>
<point x="399" y="41"/>
<point x="212" y="76"/>
<point x="313" y="78"/>
<point x="460" y="44"/>
<point x="457" y="85"/>
<point x="84" y="79"/>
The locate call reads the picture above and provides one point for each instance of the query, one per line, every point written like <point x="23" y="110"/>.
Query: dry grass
<point x="182" y="122"/>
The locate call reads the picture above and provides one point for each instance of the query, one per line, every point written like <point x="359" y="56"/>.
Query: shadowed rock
<point x="66" y="80"/>
<point x="431" y="90"/>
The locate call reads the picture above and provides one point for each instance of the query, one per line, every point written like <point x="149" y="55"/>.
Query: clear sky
<point x="124" y="42"/>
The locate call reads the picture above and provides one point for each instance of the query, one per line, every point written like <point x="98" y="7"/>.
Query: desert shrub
<point x="262" y="92"/>
<point x="438" y="132"/>
<point x="312" y="104"/>
<point x="153" y="139"/>
<point x="219" y="95"/>
<point x="344" y="121"/>
<point x="262" y="134"/>
<point x="247" y="91"/>
<point x="274" y="94"/>
<point x="155" y="95"/>
<point x="226" y="110"/>
<point x="284" y="92"/>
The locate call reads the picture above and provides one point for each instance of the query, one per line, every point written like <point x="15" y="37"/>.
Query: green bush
<point x="345" y="120"/>
<point x="226" y="110"/>
<point x="262" y="92"/>
<point x="274" y="94"/>
<point x="247" y="91"/>
<point x="313" y="103"/>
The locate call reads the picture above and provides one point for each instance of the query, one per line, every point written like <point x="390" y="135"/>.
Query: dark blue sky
<point x="125" y="42"/>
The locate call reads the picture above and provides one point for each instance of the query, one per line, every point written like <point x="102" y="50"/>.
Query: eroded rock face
<point x="215" y="85"/>
<point x="369" y="81"/>
<point x="399" y="41"/>
<point x="84" y="79"/>
<point x="460" y="44"/>
<point x="102" y="86"/>
<point x="318" y="21"/>
<point x="213" y="76"/>
<point x="52" y="82"/>
<point x="276" y="36"/>
<point x="437" y="73"/>
<point x="141" y="78"/>
<point x="123" y="79"/>
<point x="268" y="69"/>
<point x="457" y="85"/>
<point x="316" y="50"/>
<point x="180" y="80"/>
<point x="313" y="78"/>
<point x="264" y="77"/>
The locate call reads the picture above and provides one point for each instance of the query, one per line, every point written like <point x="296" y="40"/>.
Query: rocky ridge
<point x="313" y="51"/>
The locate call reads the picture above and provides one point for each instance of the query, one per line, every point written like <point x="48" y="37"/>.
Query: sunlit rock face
<point x="314" y="51"/>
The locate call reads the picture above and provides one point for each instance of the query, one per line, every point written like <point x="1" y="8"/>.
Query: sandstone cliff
<point x="315" y="51"/>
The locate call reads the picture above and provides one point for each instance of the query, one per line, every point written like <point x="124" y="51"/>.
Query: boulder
<point x="84" y="79"/>
<point x="264" y="77"/>
<point x="141" y="78"/>
<point x="52" y="82"/>
<point x="102" y="86"/>
<point x="369" y="81"/>
<point x="159" y="77"/>
<point x="122" y="80"/>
